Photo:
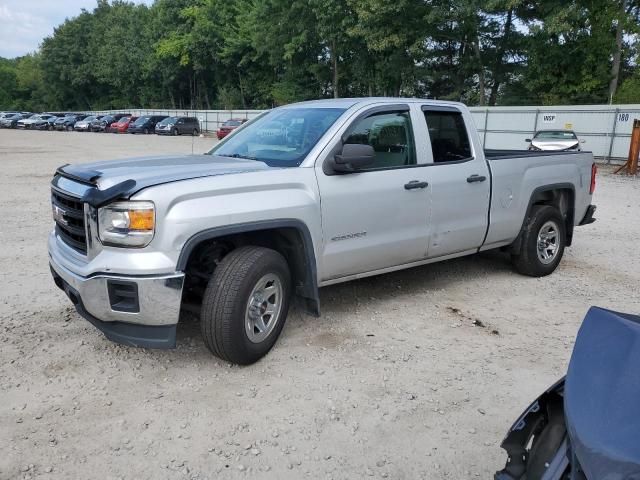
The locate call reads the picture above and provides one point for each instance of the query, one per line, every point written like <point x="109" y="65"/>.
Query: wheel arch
<point x="290" y="237"/>
<point x="559" y="195"/>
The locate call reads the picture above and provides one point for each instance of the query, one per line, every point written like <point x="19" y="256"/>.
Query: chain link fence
<point x="606" y="129"/>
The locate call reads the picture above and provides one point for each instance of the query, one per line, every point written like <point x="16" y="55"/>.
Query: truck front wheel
<point x="543" y="242"/>
<point x="245" y="304"/>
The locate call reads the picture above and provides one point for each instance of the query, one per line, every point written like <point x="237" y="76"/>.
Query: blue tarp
<point x="602" y="396"/>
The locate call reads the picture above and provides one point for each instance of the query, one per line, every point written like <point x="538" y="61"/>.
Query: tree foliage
<point x="261" y="53"/>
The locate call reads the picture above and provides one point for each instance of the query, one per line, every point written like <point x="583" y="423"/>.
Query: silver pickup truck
<point x="304" y="196"/>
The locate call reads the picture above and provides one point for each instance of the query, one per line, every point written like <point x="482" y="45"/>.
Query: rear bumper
<point x="588" y="217"/>
<point x="139" y="311"/>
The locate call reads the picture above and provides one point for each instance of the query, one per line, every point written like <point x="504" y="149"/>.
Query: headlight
<point x="127" y="224"/>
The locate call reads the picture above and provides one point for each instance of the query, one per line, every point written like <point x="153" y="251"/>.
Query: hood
<point x="554" y="144"/>
<point x="601" y="395"/>
<point x="149" y="171"/>
<point x="28" y="121"/>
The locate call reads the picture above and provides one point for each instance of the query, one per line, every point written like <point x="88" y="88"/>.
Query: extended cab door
<point x="459" y="180"/>
<point x="376" y="217"/>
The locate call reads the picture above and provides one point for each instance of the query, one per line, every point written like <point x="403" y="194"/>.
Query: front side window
<point x="448" y="134"/>
<point x="391" y="136"/>
<point x="281" y="137"/>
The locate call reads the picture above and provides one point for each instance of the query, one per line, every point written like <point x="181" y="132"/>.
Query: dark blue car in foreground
<point x="586" y="426"/>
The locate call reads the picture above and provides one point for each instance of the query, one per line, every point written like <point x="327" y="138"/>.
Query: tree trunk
<point x="498" y="67"/>
<point x="244" y="102"/>
<point x="334" y="61"/>
<point x="481" y="78"/>
<point x="615" y="67"/>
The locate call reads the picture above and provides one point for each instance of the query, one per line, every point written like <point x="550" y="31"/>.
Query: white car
<point x="554" y="141"/>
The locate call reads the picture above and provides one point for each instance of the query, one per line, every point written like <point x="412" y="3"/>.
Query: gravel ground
<point x="415" y="374"/>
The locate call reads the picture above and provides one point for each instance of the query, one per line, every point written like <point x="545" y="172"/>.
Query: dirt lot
<point x="393" y="381"/>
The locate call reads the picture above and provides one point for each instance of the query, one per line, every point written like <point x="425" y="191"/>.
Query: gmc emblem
<point x="58" y="215"/>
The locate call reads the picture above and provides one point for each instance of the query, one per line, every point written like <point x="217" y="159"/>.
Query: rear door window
<point x="448" y="135"/>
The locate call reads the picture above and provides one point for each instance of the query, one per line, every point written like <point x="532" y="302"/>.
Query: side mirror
<point x="528" y="140"/>
<point x="353" y="157"/>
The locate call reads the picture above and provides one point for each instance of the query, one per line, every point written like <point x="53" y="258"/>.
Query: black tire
<point x="528" y="261"/>
<point x="225" y="303"/>
<point x="195" y="132"/>
<point x="174" y="132"/>
<point x="146" y="131"/>
<point x="69" y="128"/>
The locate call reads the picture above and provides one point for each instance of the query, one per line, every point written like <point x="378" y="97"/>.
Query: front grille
<point x="70" y="221"/>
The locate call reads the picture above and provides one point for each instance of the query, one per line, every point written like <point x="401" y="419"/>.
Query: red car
<point x="228" y="126"/>
<point x="121" y="125"/>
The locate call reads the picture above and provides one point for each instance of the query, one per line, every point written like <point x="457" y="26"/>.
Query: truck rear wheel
<point x="245" y="304"/>
<point x="543" y="242"/>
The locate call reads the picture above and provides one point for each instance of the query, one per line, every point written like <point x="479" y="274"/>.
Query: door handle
<point x="414" y="184"/>
<point x="476" y="178"/>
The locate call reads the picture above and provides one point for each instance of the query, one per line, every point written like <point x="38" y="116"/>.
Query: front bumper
<point x="139" y="311"/>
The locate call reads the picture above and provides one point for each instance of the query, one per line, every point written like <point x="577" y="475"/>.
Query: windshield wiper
<point x="245" y="157"/>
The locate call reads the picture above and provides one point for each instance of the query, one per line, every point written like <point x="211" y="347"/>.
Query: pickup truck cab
<point x="303" y="196"/>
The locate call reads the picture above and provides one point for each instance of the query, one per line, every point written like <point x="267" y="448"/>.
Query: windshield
<point x="90" y="118"/>
<point x="142" y="120"/>
<point x="169" y="120"/>
<point x="124" y="120"/>
<point x="34" y="117"/>
<point x="232" y="123"/>
<point x="555" y="135"/>
<point x="281" y="138"/>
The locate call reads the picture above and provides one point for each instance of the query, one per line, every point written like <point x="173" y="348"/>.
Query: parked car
<point x="34" y="121"/>
<point x="227" y="127"/>
<point x="101" y="124"/>
<point x="554" y="140"/>
<point x="178" y="126"/>
<point x="48" y="124"/>
<point x="585" y="427"/>
<point x="145" y="124"/>
<point x="11" y="120"/>
<point x="306" y="195"/>
<point x="121" y="125"/>
<point x="84" y="125"/>
<point x="67" y="122"/>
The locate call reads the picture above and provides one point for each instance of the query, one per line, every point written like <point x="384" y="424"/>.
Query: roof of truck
<point x="350" y="102"/>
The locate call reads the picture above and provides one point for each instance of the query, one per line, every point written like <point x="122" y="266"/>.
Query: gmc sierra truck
<point x="303" y="196"/>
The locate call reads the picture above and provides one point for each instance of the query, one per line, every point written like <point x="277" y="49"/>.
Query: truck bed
<point x="497" y="154"/>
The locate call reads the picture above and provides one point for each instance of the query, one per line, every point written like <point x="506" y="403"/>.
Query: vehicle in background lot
<point x="46" y="125"/>
<point x="178" y="126"/>
<point x="101" y="124"/>
<point x="554" y="140"/>
<point x="227" y="127"/>
<point x="585" y="427"/>
<point x="84" y="125"/>
<point x="306" y="195"/>
<point x="145" y="124"/>
<point x="34" y="121"/>
<point x="121" y="125"/>
<point x="67" y="122"/>
<point x="11" y="120"/>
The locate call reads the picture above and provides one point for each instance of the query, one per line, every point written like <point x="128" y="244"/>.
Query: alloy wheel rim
<point x="264" y="308"/>
<point x="548" y="242"/>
